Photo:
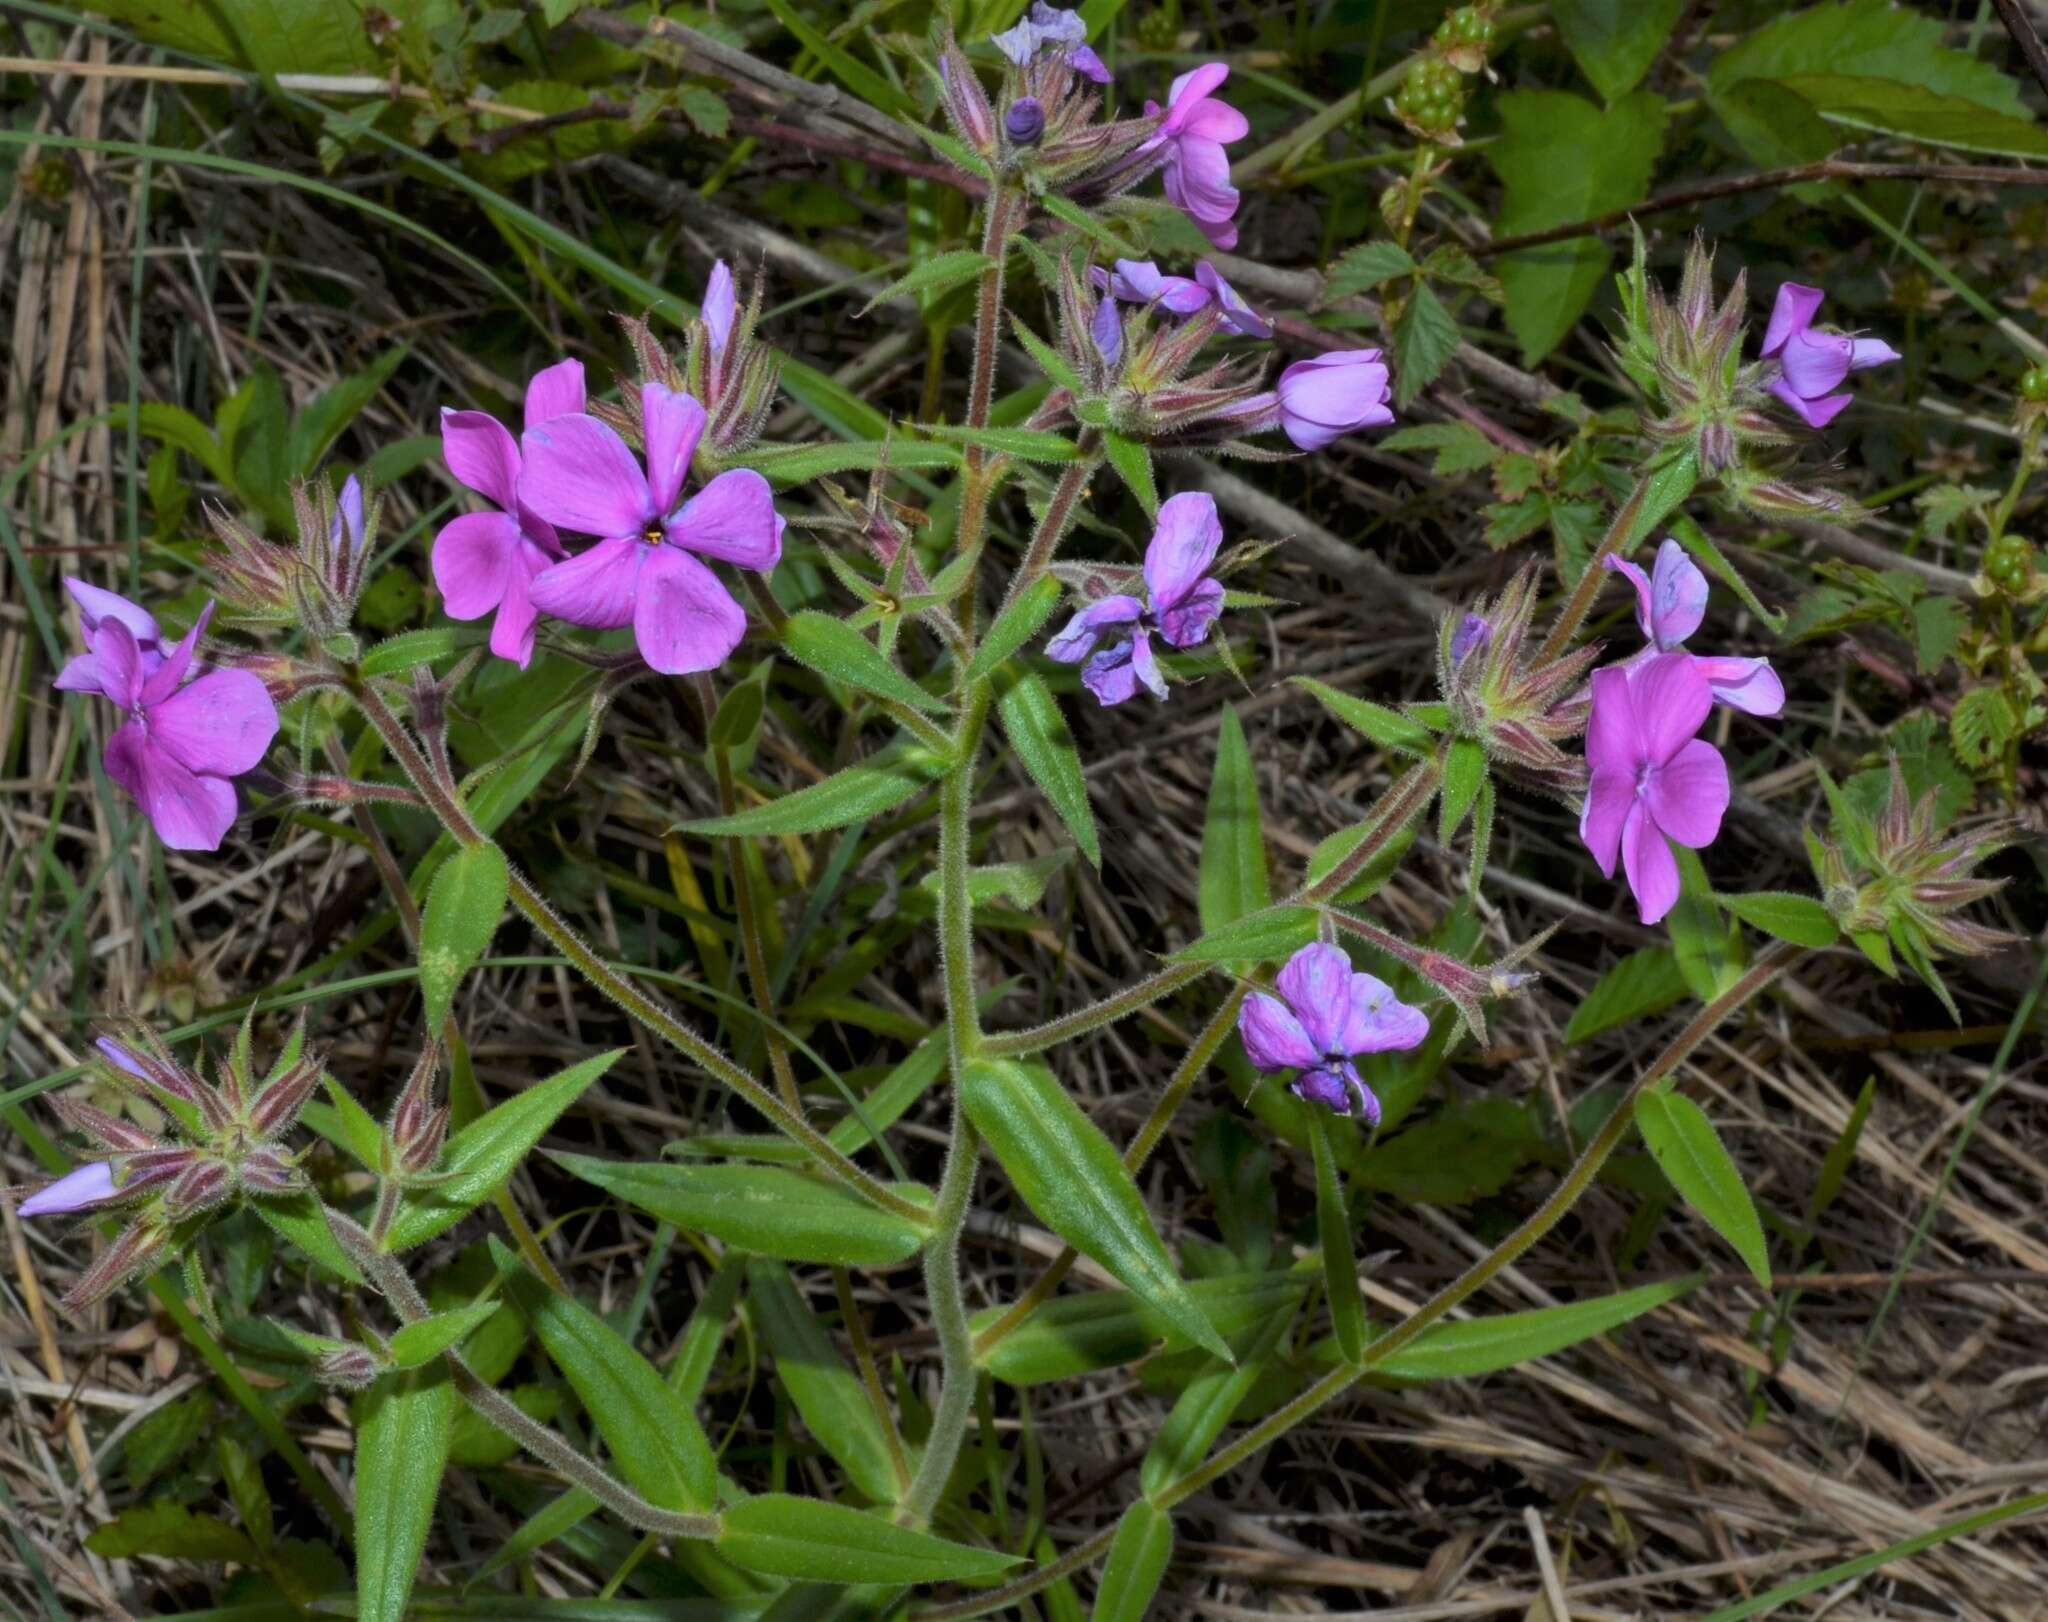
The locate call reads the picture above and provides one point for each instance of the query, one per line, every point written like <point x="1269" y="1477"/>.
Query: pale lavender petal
<point x="1678" y="597"/>
<point x="1216" y="122"/>
<point x="594" y="588"/>
<point x="1143" y="666"/>
<point x="684" y="620"/>
<point x="1142" y="282"/>
<point x="1316" y="982"/>
<point x="1817" y="413"/>
<point x="97" y="605"/>
<point x="1793" y="313"/>
<point x="577" y="473"/>
<point x="81" y="674"/>
<point x="1183" y="545"/>
<point x="221" y="724"/>
<point x="482" y="454"/>
<point x="190" y="811"/>
<point x="1815" y="363"/>
<point x="733" y="518"/>
<point x="1610" y="797"/>
<point x="1689" y="794"/>
<point x="1671" y="702"/>
<point x="1197" y="181"/>
<point x="348" y="514"/>
<point x="1019" y="44"/>
<point x="720" y="307"/>
<point x="472" y="556"/>
<point x="1083" y="60"/>
<point x="87" y="1185"/>
<point x="1378" y="1021"/>
<point x="1187" y="622"/>
<point x="1057" y="25"/>
<point x="1614" y="738"/>
<point x="556" y="391"/>
<point x="1109" y="674"/>
<point x="1868" y="352"/>
<point x="1107" y="329"/>
<point x="1188" y="91"/>
<point x="1651" y="868"/>
<point x="1634" y="575"/>
<point x="1238" y="316"/>
<point x="1748" y="685"/>
<point x="1273" y="1038"/>
<point x="1078" y="640"/>
<point x="120" y="1058"/>
<point x="1333" y="394"/>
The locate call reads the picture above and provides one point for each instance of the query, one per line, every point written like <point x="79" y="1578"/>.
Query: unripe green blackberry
<point x="1432" y="97"/>
<point x="2009" y="564"/>
<point x="1465" y="37"/>
<point x="2034" y="385"/>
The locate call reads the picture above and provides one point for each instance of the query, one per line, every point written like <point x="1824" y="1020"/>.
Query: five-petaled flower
<point x="646" y="569"/>
<point x="1192" y="133"/>
<point x="1670" y="603"/>
<point x="1653" y="779"/>
<point x="1812" y="365"/>
<point x="1327" y="1014"/>
<point x="486" y="561"/>
<point x="183" y="742"/>
<point x="1181" y="603"/>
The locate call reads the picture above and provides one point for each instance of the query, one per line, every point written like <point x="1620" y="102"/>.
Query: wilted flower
<point x="1192" y="134"/>
<point x="181" y="745"/>
<point x="645" y="569"/>
<point x="1048" y="29"/>
<point x="1182" y="603"/>
<point x="1654" y="779"/>
<point x="1812" y="365"/>
<point x="1236" y="316"/>
<point x="486" y="561"/>
<point x="1670" y="603"/>
<point x="1330" y="1015"/>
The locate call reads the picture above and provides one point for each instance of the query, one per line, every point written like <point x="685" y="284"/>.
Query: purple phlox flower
<point x="1106" y="327"/>
<point x="348" y="516"/>
<point x="77" y="1190"/>
<point x="486" y="561"/>
<point x="182" y="745"/>
<point x="1334" y="394"/>
<point x="1812" y="365"/>
<point x="1670" y="603"/>
<point x="1326" y="1015"/>
<point x="1472" y="636"/>
<point x="82" y="673"/>
<point x="646" y="569"/>
<point x="1140" y="281"/>
<point x="1194" y="130"/>
<point x="1182" y="602"/>
<point x="719" y="309"/>
<point x="1024" y="121"/>
<point x="1237" y="316"/>
<point x="1063" y="32"/>
<point x="1653" y="779"/>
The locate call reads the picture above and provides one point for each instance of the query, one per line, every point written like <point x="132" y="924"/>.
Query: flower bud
<point x="348" y="1367"/>
<point x="77" y="1190"/>
<point x="1471" y="636"/>
<point x="267" y="1171"/>
<point x="1024" y="121"/>
<point x="967" y="108"/>
<point x="203" y="1184"/>
<point x="138" y="1250"/>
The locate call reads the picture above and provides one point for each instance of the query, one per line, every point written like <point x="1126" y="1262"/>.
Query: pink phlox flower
<point x="1670" y="603"/>
<point x="96" y="605"/>
<point x="1327" y="396"/>
<point x="1653" y="780"/>
<point x="182" y="745"/>
<point x="1326" y="1015"/>
<point x="646" y="570"/>
<point x="77" y="1190"/>
<point x="1193" y="131"/>
<point x="1181" y="603"/>
<point x="487" y="561"/>
<point x="1813" y="365"/>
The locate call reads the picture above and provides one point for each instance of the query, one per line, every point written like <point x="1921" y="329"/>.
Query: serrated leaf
<point x="1037" y="731"/>
<point x="404" y="1424"/>
<point x="464" y="904"/>
<point x="1685" y="1145"/>
<point x="1137" y="1562"/>
<point x="1425" y="338"/>
<point x="1641" y="984"/>
<point x="1616" y="41"/>
<point x="427" y="1338"/>
<point x="1233" y="880"/>
<point x="1074" y="1180"/>
<point x="811" y="1540"/>
<point x="852" y="795"/>
<point x="1459" y="447"/>
<point x="1799" y="919"/>
<point x="935" y="275"/>
<point x="1014" y="626"/>
<point x="1367" y="266"/>
<point x="835" y="649"/>
<point x="483" y="1154"/>
<point x="1448" y="1351"/>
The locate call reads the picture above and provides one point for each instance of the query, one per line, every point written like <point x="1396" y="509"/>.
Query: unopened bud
<point x="348" y="1368"/>
<point x="267" y="1170"/>
<point x="1024" y="121"/>
<point x="1472" y="635"/>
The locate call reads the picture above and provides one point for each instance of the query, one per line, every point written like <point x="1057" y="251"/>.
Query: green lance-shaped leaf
<point x="786" y="465"/>
<point x="1685" y="1144"/>
<point x="1333" y="1230"/>
<point x="1015" y="626"/>
<point x="830" y="1397"/>
<point x="1205" y="1407"/>
<point x="1258" y="937"/>
<point x="1388" y="728"/>
<point x="1464" y="772"/>
<point x="1449" y="1351"/>
<point x="403" y="1426"/>
<point x="1799" y="919"/>
<point x="815" y="1541"/>
<point x="1233" y="878"/>
<point x="1080" y="1334"/>
<point x="1643" y="983"/>
<point x="656" y="1444"/>
<point x="1025" y="444"/>
<point x="833" y="648"/>
<point x="935" y="275"/>
<point x="427" y="1338"/>
<point x="852" y="795"/>
<point x="1038" y="732"/>
<point x="1074" y="1179"/>
<point x="1137" y="1561"/>
<point x="483" y="1154"/>
<point x="398" y="655"/>
<point x="464" y="904"/>
<point x="1133" y="464"/>
<point x="768" y="1210"/>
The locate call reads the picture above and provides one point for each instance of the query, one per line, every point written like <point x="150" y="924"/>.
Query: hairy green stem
<point x="1059" y="516"/>
<point x="1002" y="215"/>
<point x="1580" y="603"/>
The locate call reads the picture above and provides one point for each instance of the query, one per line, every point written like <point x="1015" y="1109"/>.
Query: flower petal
<point x="1634" y="575"/>
<point x="1187" y="622"/>
<point x="1689" y="793"/>
<point x="1748" y="685"/>
<point x="1273" y="1038"/>
<point x="1106" y="327"/>
<point x="1316" y="982"/>
<point x="96" y="605"/>
<point x="472" y="556"/>
<point x="1792" y="314"/>
<point x="555" y="391"/>
<point x="1610" y="797"/>
<point x="1238" y="316"/>
<point x="188" y="810"/>
<point x="684" y="620"/>
<point x="482" y="454"/>
<point x="1671" y="701"/>
<point x="83" y="1186"/>
<point x="512" y="630"/>
<point x="222" y="724"/>
<point x="1078" y="640"/>
<point x="1197" y="181"/>
<point x="732" y="518"/>
<point x="1143" y="665"/>
<point x="160" y="683"/>
<point x="1868" y="352"/>
<point x="1109" y="674"/>
<point x="1186" y="92"/>
<point x="720" y="306"/>
<point x="1614" y="740"/>
<point x="120" y="663"/>
<point x="1378" y="1021"/>
<point x="1815" y="363"/>
<point x="671" y="423"/>
<point x="1652" y="869"/>
<point x="594" y="588"/>
<point x="1183" y="545"/>
<point x="1678" y="597"/>
<point x="577" y="473"/>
